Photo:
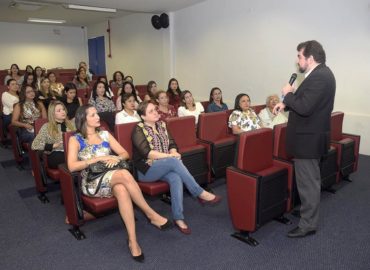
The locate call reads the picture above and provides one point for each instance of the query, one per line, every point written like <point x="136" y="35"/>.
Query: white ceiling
<point x="53" y="9"/>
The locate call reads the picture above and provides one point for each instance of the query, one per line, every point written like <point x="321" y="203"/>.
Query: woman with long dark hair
<point x="243" y="118"/>
<point x="91" y="145"/>
<point x="70" y="99"/>
<point x="216" y="103"/>
<point x="174" y="93"/>
<point x="103" y="104"/>
<point x="151" y="90"/>
<point x="15" y="74"/>
<point x="26" y="112"/>
<point x="127" y="88"/>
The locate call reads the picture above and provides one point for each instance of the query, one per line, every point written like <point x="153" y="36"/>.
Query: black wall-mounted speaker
<point x="156" y="22"/>
<point x="161" y="21"/>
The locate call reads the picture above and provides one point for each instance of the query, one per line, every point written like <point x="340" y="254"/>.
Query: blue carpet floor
<point x="33" y="235"/>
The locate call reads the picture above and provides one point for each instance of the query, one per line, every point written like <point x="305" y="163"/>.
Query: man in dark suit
<point x="308" y="129"/>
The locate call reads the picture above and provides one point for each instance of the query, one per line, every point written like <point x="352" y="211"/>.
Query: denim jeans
<point x="173" y="171"/>
<point x="25" y="136"/>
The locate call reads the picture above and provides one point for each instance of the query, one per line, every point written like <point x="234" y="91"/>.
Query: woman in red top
<point x="174" y="93"/>
<point x="165" y="110"/>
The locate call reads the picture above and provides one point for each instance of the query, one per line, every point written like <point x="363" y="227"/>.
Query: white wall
<point x="41" y="45"/>
<point x="250" y="46"/>
<point x="138" y="49"/>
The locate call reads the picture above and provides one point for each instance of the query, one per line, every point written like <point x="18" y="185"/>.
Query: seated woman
<point x="215" y="101"/>
<point x="39" y="75"/>
<point x="165" y="110"/>
<point x="189" y="107"/>
<point x="29" y="69"/>
<point x="55" y="87"/>
<point x="155" y="156"/>
<point x="128" y="114"/>
<point x="81" y="80"/>
<point x="44" y="93"/>
<point x="26" y="112"/>
<point x="30" y="79"/>
<point x="14" y="74"/>
<point x="91" y="145"/>
<point x="8" y="99"/>
<point x="269" y="119"/>
<point x="103" y="104"/>
<point x="117" y="79"/>
<point x="83" y="64"/>
<point x="174" y="93"/>
<point x="104" y="80"/>
<point x="49" y="139"/>
<point x="151" y="90"/>
<point x="243" y="118"/>
<point x="70" y="100"/>
<point x="129" y="78"/>
<point x="128" y="88"/>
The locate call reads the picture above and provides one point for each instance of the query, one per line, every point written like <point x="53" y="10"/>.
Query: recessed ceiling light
<point x="90" y="8"/>
<point x="45" y="20"/>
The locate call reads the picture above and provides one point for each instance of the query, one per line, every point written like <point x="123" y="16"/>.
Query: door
<point x="97" y="55"/>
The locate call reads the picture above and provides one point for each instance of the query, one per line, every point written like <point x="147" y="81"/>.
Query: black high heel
<point x="163" y="227"/>
<point x="140" y="258"/>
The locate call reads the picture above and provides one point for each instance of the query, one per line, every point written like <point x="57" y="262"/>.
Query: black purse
<point x="99" y="169"/>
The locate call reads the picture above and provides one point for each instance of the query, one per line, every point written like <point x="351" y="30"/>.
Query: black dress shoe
<point x="163" y="227"/>
<point x="140" y="258"/>
<point x="299" y="232"/>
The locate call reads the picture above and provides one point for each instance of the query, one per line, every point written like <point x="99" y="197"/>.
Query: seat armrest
<point x="69" y="183"/>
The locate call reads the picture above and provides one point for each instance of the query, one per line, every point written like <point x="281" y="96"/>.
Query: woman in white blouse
<point x="8" y="100"/>
<point x="189" y="106"/>
<point x="269" y="119"/>
<point x="128" y="114"/>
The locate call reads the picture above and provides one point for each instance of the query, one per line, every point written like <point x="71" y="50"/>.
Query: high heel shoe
<point x="162" y="227"/>
<point x="140" y="258"/>
<point x="214" y="201"/>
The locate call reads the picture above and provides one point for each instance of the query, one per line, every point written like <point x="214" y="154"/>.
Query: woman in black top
<point x="70" y="99"/>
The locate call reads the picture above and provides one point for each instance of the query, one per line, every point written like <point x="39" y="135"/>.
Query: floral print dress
<point x="246" y="121"/>
<point x="88" y="151"/>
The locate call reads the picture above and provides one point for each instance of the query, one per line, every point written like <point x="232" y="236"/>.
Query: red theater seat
<point x="75" y="202"/>
<point x="141" y="89"/>
<point x="258" y="186"/>
<point x="258" y="108"/>
<point x="18" y="148"/>
<point x="328" y="166"/>
<point x="347" y="145"/>
<point x="123" y="134"/>
<point x="205" y="105"/>
<point x="40" y="170"/>
<point x="193" y="154"/>
<point x="213" y="133"/>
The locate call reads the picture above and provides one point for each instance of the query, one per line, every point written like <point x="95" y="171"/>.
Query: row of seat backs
<point x="337" y="136"/>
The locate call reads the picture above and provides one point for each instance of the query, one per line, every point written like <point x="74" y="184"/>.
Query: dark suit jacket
<point x="308" y="130"/>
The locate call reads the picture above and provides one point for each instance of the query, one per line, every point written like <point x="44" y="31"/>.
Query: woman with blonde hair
<point x="49" y="139"/>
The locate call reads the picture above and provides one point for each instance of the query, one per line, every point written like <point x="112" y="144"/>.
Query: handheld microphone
<point x="291" y="81"/>
<point x="292" y="78"/>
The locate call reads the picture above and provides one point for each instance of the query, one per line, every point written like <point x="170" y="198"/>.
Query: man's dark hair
<point x="314" y="48"/>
